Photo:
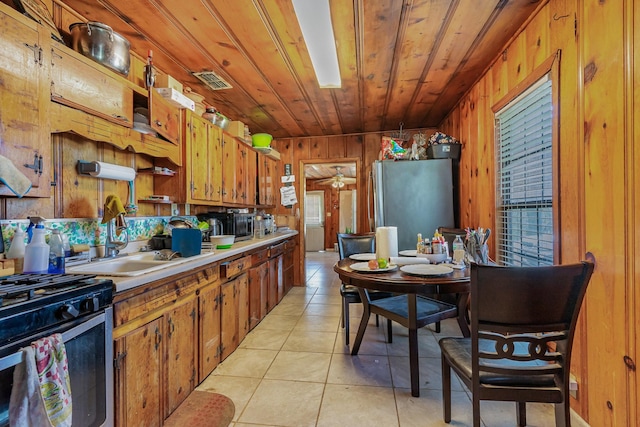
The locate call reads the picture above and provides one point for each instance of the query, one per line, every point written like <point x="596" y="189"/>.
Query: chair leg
<point x="377" y="321"/>
<point x="344" y="306"/>
<point x="521" y="414"/>
<point x="437" y="327"/>
<point x="389" y="333"/>
<point x="475" y="403"/>
<point x="563" y="414"/>
<point x="345" y="321"/>
<point x="446" y="390"/>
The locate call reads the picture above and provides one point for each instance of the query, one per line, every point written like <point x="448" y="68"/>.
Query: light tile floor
<point x="294" y="369"/>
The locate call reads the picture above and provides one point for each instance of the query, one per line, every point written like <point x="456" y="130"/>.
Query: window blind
<point x="313" y="203"/>
<point x="524" y="216"/>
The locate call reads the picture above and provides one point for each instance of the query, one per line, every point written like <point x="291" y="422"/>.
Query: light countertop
<point x="125" y="283"/>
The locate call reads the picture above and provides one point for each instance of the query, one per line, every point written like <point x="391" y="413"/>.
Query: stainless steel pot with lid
<point x="99" y="42"/>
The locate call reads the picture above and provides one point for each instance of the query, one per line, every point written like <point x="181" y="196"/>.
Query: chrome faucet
<point x="113" y="246"/>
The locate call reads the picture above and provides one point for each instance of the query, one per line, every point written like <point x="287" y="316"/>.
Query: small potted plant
<point x="443" y="146"/>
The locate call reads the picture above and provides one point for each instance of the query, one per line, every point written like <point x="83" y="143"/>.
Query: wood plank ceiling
<point x="404" y="61"/>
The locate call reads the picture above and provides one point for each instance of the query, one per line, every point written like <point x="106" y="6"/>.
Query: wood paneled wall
<point x="599" y="179"/>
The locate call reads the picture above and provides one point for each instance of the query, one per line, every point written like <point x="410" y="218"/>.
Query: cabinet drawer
<point x="80" y="83"/>
<point x="289" y="245"/>
<point x="164" y="117"/>
<point x="235" y="267"/>
<point x="260" y="257"/>
<point x="276" y="250"/>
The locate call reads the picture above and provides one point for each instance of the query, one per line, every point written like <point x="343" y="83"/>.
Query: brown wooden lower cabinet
<point x="258" y="289"/>
<point x="170" y="334"/>
<point x="209" y="329"/>
<point x="138" y="376"/>
<point x="180" y="356"/>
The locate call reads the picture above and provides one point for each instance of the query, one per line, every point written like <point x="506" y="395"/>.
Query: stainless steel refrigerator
<point x="415" y="196"/>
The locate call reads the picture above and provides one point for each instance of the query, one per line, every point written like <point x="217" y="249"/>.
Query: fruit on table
<point x="373" y="264"/>
<point x="382" y="263"/>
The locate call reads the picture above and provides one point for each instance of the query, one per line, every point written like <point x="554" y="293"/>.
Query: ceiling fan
<point x="338" y="180"/>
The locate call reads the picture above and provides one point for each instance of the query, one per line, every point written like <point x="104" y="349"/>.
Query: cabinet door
<point x="279" y="276"/>
<point x="228" y="319"/>
<point x="209" y="326"/>
<point x="272" y="296"/>
<point x="258" y="285"/>
<point x="287" y="275"/>
<point x="164" y="117"/>
<point x="241" y="172"/>
<point x="215" y="165"/>
<point x="229" y="154"/>
<point x="251" y="176"/>
<point x="24" y="100"/>
<point x="80" y="83"/>
<point x="197" y="149"/>
<point x="242" y="296"/>
<point x="181" y="353"/>
<point x="138" y="367"/>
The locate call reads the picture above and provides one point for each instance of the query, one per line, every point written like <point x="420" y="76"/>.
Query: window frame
<point x="551" y="68"/>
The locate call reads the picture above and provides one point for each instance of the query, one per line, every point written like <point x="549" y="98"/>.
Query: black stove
<point x="30" y="303"/>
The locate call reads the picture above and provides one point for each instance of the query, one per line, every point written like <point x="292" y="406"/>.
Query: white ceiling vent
<point x="214" y="81"/>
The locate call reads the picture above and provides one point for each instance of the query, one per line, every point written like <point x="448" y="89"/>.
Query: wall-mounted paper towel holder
<point x="106" y="170"/>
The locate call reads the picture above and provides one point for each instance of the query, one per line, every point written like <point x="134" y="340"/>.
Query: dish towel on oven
<point x="41" y="393"/>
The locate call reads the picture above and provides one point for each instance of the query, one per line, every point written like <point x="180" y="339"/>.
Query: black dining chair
<point x="523" y="321"/>
<point x="351" y="244"/>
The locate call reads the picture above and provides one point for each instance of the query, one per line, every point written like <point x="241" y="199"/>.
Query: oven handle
<point x="17" y="357"/>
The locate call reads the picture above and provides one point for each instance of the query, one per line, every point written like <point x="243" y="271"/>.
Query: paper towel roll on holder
<point x="106" y="170"/>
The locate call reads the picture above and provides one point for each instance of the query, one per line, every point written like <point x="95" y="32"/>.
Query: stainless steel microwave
<point x="240" y="224"/>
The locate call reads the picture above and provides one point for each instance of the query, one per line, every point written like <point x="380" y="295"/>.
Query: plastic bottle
<point x="56" y="253"/>
<point x="458" y="250"/>
<point x="36" y="254"/>
<point x="16" y="251"/>
<point x="435" y="244"/>
<point x="420" y="244"/>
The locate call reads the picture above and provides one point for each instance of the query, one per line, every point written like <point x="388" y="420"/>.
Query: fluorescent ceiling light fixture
<point x="314" y="18"/>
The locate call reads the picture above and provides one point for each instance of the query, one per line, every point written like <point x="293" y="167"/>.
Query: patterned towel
<point x="41" y="394"/>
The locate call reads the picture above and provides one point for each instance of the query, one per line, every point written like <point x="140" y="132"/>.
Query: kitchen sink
<point x="129" y="265"/>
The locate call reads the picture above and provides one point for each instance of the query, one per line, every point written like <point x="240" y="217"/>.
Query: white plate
<point x="363" y="257"/>
<point x="363" y="267"/>
<point x="409" y="252"/>
<point x="454" y="266"/>
<point x="426" y="269"/>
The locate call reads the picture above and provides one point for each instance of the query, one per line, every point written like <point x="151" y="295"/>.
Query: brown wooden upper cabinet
<point x="24" y="121"/>
<point x="81" y="83"/>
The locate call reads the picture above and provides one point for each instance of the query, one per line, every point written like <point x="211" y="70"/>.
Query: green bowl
<point x="261" y="139"/>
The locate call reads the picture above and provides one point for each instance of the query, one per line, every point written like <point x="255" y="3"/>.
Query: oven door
<point x="89" y="345"/>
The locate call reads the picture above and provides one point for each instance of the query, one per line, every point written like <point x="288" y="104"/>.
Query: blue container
<point x="187" y="241"/>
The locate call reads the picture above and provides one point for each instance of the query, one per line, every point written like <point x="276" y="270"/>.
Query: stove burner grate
<point x="28" y="286"/>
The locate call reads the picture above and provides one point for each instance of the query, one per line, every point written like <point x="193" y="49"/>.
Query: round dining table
<point x="413" y="286"/>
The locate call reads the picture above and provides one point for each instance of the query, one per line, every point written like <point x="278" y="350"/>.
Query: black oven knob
<point x="68" y="311"/>
<point x="90" y="305"/>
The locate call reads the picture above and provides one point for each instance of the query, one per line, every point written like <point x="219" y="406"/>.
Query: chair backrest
<point x="349" y="244"/>
<point x="517" y="312"/>
<point x="450" y="234"/>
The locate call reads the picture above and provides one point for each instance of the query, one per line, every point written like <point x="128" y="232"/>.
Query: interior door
<point x="348" y="214"/>
<point x="314" y="221"/>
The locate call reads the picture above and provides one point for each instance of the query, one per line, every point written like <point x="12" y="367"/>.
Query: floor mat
<point x="201" y="409"/>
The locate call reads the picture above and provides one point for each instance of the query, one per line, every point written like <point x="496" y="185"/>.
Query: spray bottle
<point x="16" y="251"/>
<point x="36" y="254"/>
